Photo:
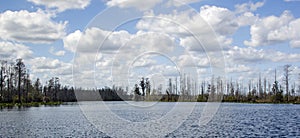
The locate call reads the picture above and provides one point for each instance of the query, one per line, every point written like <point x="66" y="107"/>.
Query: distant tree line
<point x="17" y="87"/>
<point x="261" y="91"/>
<point x="114" y="94"/>
<point x="185" y="88"/>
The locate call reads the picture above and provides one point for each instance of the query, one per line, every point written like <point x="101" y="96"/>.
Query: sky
<point x="97" y="43"/>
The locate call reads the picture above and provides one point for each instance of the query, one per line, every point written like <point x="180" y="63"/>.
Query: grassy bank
<point x="31" y="104"/>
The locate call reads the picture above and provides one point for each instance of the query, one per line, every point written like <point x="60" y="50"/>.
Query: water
<point x="65" y="120"/>
<point x="231" y="120"/>
<point x="246" y="120"/>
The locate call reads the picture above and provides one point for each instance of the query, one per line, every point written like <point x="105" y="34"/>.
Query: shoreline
<point x="38" y="104"/>
<point x="31" y="104"/>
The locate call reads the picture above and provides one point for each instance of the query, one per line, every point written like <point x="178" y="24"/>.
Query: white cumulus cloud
<point x="46" y="68"/>
<point x="272" y="30"/>
<point x="138" y="4"/>
<point x="11" y="51"/>
<point x="62" y="5"/>
<point x="33" y="27"/>
<point x="105" y="49"/>
<point x="181" y="2"/>
<point x="56" y="53"/>
<point x="249" y="7"/>
<point x="221" y="19"/>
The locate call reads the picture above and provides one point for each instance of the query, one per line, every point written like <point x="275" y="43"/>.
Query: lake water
<point x="90" y="119"/>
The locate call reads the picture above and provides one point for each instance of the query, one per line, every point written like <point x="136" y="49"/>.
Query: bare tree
<point x="286" y="78"/>
<point x="170" y="85"/>
<point x="148" y="87"/>
<point x="275" y="88"/>
<point x="20" y="68"/>
<point x="231" y="88"/>
<point x="249" y="87"/>
<point x="269" y="88"/>
<point x="213" y="88"/>
<point x="2" y="78"/>
<point x="143" y="86"/>
<point x="188" y="85"/>
<point x="299" y="85"/>
<point x="265" y="87"/>
<point x="260" y="90"/>
<point x="202" y="89"/>
<point x="56" y="87"/>
<point x="176" y="85"/>
<point x="227" y="87"/>
<point x="237" y="90"/>
<point x="8" y="81"/>
<point x="38" y="85"/>
<point x="293" y="90"/>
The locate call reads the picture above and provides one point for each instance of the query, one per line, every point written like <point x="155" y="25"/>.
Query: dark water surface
<point x="231" y="120"/>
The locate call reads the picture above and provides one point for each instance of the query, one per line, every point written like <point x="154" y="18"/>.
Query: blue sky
<point x="91" y="39"/>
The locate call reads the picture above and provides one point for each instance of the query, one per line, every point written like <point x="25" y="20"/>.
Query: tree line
<point x="260" y="91"/>
<point x="187" y="88"/>
<point x="17" y="87"/>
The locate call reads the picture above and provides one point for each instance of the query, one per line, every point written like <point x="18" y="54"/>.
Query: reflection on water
<point x="65" y="120"/>
<point x="246" y="120"/>
<point x="251" y="120"/>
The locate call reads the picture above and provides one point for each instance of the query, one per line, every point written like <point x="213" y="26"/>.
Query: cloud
<point x="182" y="29"/>
<point x="201" y="46"/>
<point x="71" y="40"/>
<point x="87" y="44"/>
<point x="238" y="68"/>
<point x="247" y="18"/>
<point x="56" y="53"/>
<point x="195" y="30"/>
<point x="62" y="5"/>
<point x="43" y="63"/>
<point x="33" y="27"/>
<point x="177" y="23"/>
<point x="207" y="32"/>
<point x="166" y="70"/>
<point x="245" y="55"/>
<point x="11" y="51"/>
<point x="197" y="60"/>
<point x="291" y="0"/>
<point x="151" y="41"/>
<point x="42" y="67"/>
<point x="221" y="19"/>
<point x="273" y="30"/>
<point x="147" y="5"/>
<point x="91" y="40"/>
<point x="138" y="4"/>
<point x="248" y="7"/>
<point x="94" y="39"/>
<point x="178" y="3"/>
<point x="46" y="68"/>
<point x="240" y="55"/>
<point x="295" y="43"/>
<point x="144" y="61"/>
<point x="100" y="50"/>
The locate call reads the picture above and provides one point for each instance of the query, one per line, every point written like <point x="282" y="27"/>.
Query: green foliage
<point x="230" y="98"/>
<point x="16" y="86"/>
<point x="278" y="97"/>
<point x="31" y="104"/>
<point x="202" y="98"/>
